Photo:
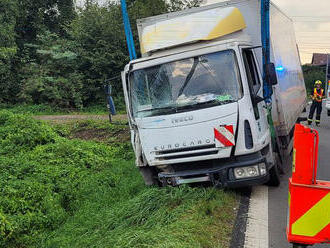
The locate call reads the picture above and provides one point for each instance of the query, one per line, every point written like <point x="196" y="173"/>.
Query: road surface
<point x="267" y="216"/>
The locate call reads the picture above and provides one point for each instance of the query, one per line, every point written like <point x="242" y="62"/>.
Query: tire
<point x="328" y="112"/>
<point x="298" y="246"/>
<point x="150" y="176"/>
<point x="274" y="173"/>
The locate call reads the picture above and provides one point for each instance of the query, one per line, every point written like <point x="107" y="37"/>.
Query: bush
<point x="41" y="175"/>
<point x="21" y="133"/>
<point x="37" y="109"/>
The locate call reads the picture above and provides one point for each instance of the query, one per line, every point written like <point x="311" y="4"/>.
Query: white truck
<point x="195" y="98"/>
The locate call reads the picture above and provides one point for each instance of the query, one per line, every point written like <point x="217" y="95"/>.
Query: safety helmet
<point x="318" y="82"/>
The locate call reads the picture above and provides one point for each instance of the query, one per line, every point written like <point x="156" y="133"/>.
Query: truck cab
<point x="199" y="115"/>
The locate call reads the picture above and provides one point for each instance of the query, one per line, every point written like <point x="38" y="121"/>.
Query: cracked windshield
<point x="195" y="83"/>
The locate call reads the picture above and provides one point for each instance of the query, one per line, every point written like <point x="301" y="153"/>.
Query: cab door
<point x="256" y="91"/>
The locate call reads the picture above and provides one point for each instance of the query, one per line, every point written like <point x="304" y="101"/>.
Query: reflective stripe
<point x="294" y="161"/>
<point x="289" y="199"/>
<point x="318" y="97"/>
<point x="317" y="121"/>
<point x="225" y="135"/>
<point x="315" y="220"/>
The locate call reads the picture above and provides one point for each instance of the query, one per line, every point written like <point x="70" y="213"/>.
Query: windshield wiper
<point x="211" y="102"/>
<point x="160" y="108"/>
<point x="191" y="73"/>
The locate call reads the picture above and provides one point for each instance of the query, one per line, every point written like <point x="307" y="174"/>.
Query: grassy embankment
<point x="42" y="109"/>
<point x="60" y="191"/>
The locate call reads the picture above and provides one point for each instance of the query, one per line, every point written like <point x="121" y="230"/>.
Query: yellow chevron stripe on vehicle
<point x="315" y="220"/>
<point x="206" y="25"/>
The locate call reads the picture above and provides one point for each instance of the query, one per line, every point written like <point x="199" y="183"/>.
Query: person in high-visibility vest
<point x="317" y="96"/>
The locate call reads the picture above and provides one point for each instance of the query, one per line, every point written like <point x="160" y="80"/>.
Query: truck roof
<point x="157" y="18"/>
<point x="196" y="24"/>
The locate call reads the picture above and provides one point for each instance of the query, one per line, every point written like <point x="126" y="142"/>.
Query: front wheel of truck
<point x="150" y="176"/>
<point x="274" y="173"/>
<point x="328" y="112"/>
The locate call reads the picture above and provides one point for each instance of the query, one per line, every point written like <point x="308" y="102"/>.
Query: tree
<point x="54" y="79"/>
<point x="51" y="53"/>
<point x="101" y="48"/>
<point x="99" y="31"/>
<point x="8" y="49"/>
<point x="36" y="16"/>
<point x="176" y="5"/>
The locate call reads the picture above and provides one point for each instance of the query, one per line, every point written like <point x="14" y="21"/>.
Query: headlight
<point x="250" y="171"/>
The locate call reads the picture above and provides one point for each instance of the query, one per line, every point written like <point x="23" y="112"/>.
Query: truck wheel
<point x="328" y="112"/>
<point x="299" y="246"/>
<point x="150" y="176"/>
<point x="274" y="173"/>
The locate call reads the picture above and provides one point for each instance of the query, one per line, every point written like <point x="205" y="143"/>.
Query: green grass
<point x="62" y="192"/>
<point x="43" y="109"/>
<point x="32" y="109"/>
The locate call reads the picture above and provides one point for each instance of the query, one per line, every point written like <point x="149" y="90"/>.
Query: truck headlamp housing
<point x="250" y="171"/>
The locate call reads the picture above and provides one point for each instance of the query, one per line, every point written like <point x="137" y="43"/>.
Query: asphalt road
<point x="278" y="197"/>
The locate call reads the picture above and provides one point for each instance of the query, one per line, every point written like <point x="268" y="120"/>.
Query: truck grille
<point x="187" y="152"/>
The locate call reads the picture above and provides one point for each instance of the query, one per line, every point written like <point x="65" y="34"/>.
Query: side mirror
<point x="271" y="74"/>
<point x="111" y="106"/>
<point x="258" y="99"/>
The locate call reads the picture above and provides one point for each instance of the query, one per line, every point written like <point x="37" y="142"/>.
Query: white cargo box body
<point x="181" y="31"/>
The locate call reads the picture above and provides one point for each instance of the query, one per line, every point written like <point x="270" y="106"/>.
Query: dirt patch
<point x="99" y="129"/>
<point x="69" y="118"/>
<point x="102" y="135"/>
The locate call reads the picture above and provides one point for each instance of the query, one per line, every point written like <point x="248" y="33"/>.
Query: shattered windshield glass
<point x="200" y="82"/>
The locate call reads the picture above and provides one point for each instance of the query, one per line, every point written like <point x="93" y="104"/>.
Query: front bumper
<point x="221" y="174"/>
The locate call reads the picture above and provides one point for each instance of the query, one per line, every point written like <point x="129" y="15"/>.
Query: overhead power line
<point x="314" y="31"/>
<point x="313" y="44"/>
<point x="325" y="21"/>
<point x="319" y="31"/>
<point x="312" y="48"/>
<point x="315" y="52"/>
<point x="310" y="16"/>
<point x="312" y="35"/>
<point x="302" y="54"/>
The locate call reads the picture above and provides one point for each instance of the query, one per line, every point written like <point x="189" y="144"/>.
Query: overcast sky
<point x="312" y="24"/>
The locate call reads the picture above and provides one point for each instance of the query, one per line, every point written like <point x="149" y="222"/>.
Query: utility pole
<point x="327" y="75"/>
<point x="132" y="55"/>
